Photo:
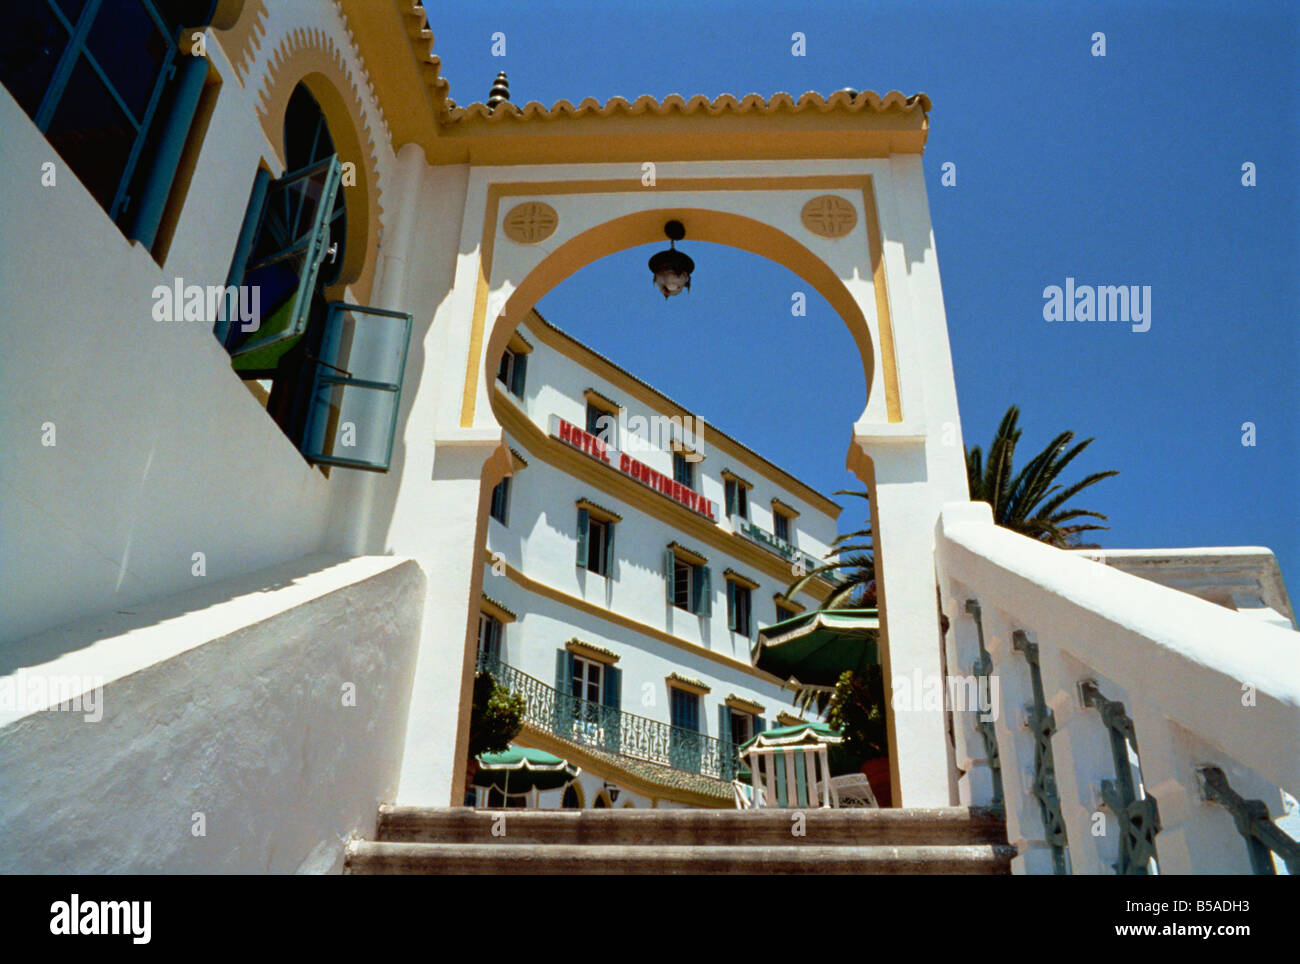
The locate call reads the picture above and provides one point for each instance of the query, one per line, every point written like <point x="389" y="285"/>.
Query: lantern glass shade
<point x="672" y="272"/>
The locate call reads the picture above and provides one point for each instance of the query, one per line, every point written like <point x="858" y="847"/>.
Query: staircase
<point x="460" y="840"/>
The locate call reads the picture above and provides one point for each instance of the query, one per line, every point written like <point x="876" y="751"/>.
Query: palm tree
<point x="1031" y="502"/>
<point x="853" y="571"/>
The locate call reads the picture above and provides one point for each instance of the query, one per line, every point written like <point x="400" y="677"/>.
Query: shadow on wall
<point x="85" y="632"/>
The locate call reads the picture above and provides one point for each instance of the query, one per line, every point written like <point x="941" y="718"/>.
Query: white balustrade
<point x="1202" y="685"/>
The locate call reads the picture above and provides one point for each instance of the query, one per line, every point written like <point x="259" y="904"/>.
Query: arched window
<point x="329" y="373"/>
<point x="571" y="800"/>
<point x="114" y="93"/>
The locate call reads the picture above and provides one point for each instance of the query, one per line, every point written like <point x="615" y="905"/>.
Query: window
<point x="335" y="370"/>
<point x="785" y="612"/>
<point x="588" y="676"/>
<point x="601" y="423"/>
<point x="513" y="371"/>
<point x="688" y="584"/>
<point x="781" y="525"/>
<point x="489" y="638"/>
<point x="737" y="498"/>
<point x="596" y="539"/>
<point x="685" y="709"/>
<point x="571" y="799"/>
<point x="739" y="607"/>
<point x="588" y="696"/>
<point x="501" y="501"/>
<point x="742" y="725"/>
<point x="684" y="743"/>
<point x="683" y="470"/>
<point x="112" y="91"/>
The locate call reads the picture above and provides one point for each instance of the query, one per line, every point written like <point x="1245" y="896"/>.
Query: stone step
<point x="912" y="826"/>
<point x="365" y="857"/>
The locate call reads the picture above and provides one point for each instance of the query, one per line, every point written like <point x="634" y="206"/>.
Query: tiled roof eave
<point x="866" y="102"/>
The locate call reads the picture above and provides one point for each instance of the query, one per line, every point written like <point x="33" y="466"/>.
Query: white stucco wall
<point x="227" y="701"/>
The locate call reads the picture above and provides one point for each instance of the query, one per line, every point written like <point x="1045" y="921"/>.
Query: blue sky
<point x="1123" y="169"/>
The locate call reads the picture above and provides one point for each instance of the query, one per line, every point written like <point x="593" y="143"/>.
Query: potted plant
<point x="495" y="720"/>
<point x="857" y="709"/>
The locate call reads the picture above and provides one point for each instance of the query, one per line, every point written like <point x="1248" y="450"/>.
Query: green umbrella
<point x="521" y="769"/>
<point x="814" y="648"/>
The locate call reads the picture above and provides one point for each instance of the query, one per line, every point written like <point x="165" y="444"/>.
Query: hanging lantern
<point x="672" y="269"/>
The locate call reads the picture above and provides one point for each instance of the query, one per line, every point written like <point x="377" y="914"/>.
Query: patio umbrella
<point x="814" y="648"/>
<point x="521" y="769"/>
<point x="803" y="734"/>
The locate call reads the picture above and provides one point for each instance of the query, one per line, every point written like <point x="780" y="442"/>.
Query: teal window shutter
<point x="670" y="572"/>
<point x="584" y="526"/>
<point x="703" y="592"/>
<point x="724" y="723"/>
<point x="352" y="418"/>
<point x="731" y="605"/>
<point x="611" y="560"/>
<point x="520" y="375"/>
<point x="565" y="704"/>
<point x="760" y="725"/>
<point x="731" y="497"/>
<point x="612" y="700"/>
<point x="292" y="242"/>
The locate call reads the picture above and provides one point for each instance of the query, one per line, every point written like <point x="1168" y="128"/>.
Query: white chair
<point x="854" y="790"/>
<point x="788" y="777"/>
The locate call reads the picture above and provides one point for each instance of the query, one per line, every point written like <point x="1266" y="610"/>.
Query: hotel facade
<point x="632" y="555"/>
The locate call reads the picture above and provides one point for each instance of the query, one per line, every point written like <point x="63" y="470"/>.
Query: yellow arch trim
<point x="704" y="224"/>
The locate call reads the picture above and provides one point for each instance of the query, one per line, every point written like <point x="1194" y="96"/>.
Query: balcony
<point x="610" y="730"/>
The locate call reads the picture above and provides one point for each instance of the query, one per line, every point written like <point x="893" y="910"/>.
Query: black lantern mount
<point x="672" y="269"/>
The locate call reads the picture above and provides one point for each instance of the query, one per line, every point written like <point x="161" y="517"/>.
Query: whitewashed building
<point x="633" y="554"/>
<point x="248" y="541"/>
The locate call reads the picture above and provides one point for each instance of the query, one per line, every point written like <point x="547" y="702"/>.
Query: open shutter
<point x="520" y="375"/>
<point x="727" y="757"/>
<point x="291" y="244"/>
<point x="731" y="497"/>
<point x="564" y="703"/>
<point x="494" y="641"/>
<point x="670" y="574"/>
<point x="352" y="419"/>
<point x="732" y="614"/>
<point x="612" y="699"/>
<point x="611" y="560"/>
<point x="584" y="528"/>
<point x="703" y="592"/>
<point x="760" y="725"/>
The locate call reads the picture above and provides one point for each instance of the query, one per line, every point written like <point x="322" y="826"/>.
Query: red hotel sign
<point x="639" y="471"/>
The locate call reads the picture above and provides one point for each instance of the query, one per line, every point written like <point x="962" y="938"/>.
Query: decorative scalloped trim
<point x="284" y="70"/>
<point x="867" y="101"/>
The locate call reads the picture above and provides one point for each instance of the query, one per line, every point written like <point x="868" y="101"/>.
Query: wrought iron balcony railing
<point x="613" y="731"/>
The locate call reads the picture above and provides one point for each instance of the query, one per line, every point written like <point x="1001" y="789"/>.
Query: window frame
<point x="491" y="636"/>
<point x="581" y="666"/>
<point x="178" y="84"/>
<point x="503" y="502"/>
<point x="682" y="466"/>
